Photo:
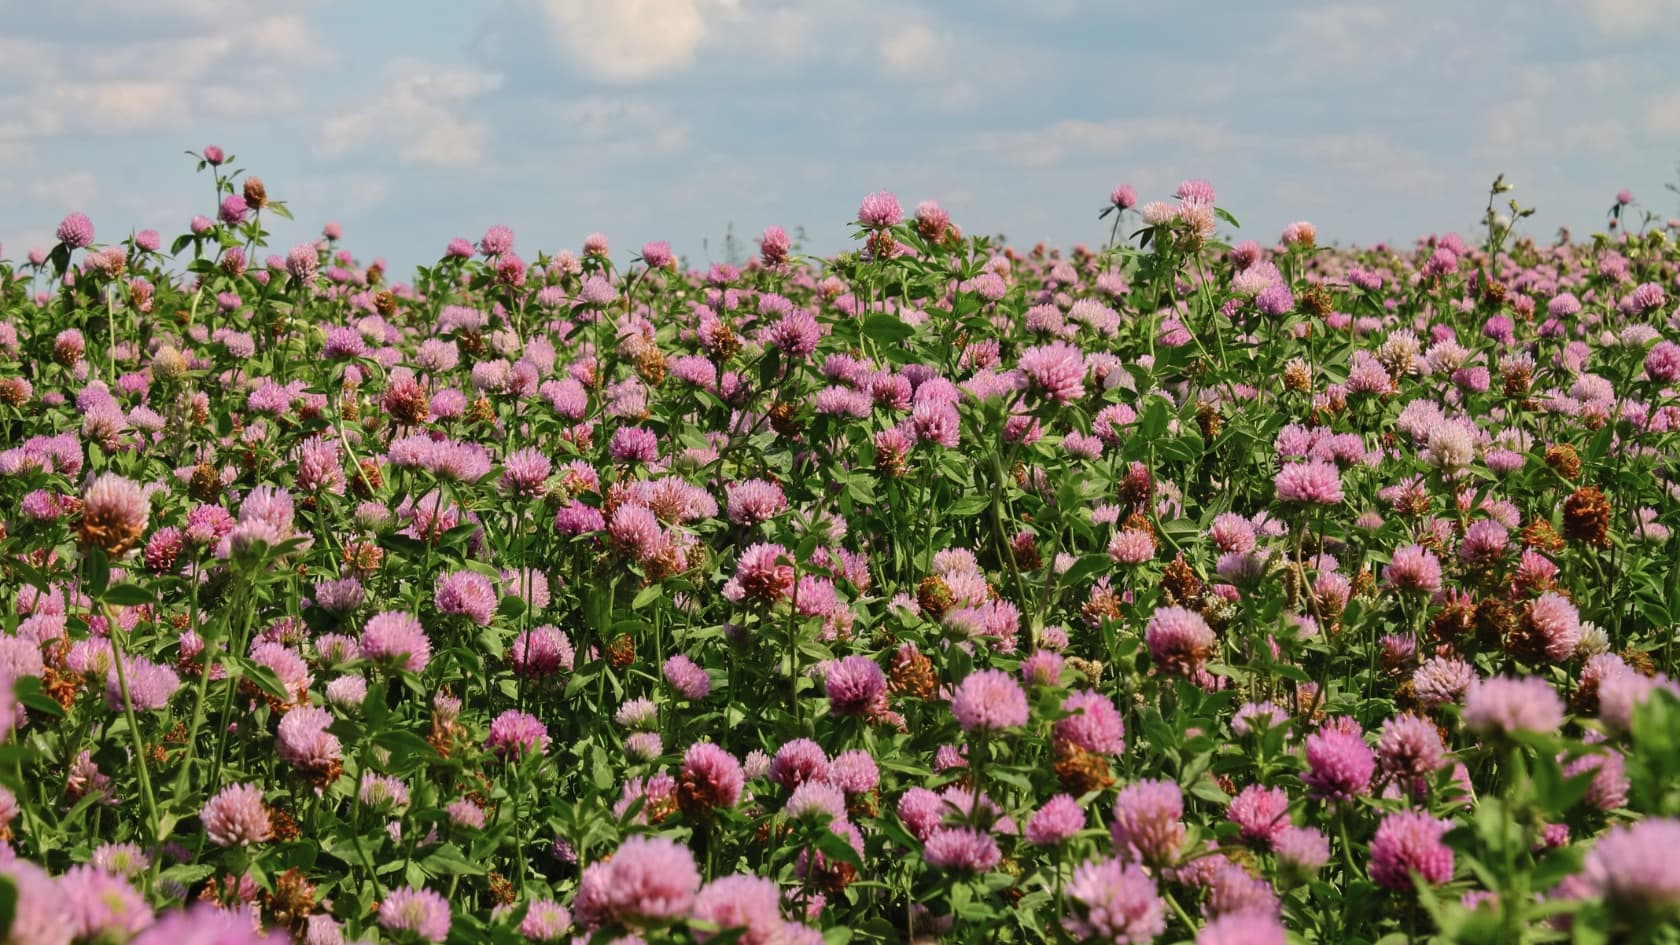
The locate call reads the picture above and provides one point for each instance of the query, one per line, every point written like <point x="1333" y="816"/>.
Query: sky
<point x="411" y="122"/>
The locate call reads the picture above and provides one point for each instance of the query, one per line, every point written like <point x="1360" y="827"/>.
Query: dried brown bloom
<point x="1586" y="517"/>
<point x="934" y="596"/>
<point x="912" y="674"/>
<point x="1081" y="771"/>
<point x="1179" y="583"/>
<point x="1562" y="458"/>
<point x="621" y="652"/>
<point x="256" y="195"/>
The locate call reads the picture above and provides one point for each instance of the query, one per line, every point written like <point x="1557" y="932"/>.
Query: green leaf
<point x="647" y="595"/>
<point x="887" y="329"/>
<point x="1085" y="568"/>
<point x="968" y="505"/>
<point x="448" y="860"/>
<point x="8" y="907"/>
<point x="128" y="595"/>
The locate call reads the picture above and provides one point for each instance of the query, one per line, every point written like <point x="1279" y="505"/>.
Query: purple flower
<point x="1339" y="763"/>
<point x="687" y="678"/>
<point x="649" y="881"/>
<point x="1179" y="640"/>
<point x="76" y="231"/>
<point x="1505" y="704"/>
<point x="856" y="686"/>
<point x="1633" y="867"/>
<point x="1414" y="568"/>
<point x="201" y="924"/>
<point x="545" y="921"/>
<point x="1055" y="371"/>
<point x="396" y="639"/>
<point x="754" y="500"/>
<point x="515" y="734"/>
<point x="1242" y="928"/>
<point x="1148" y="822"/>
<point x="1410" y="842"/>
<point x="989" y="700"/>
<point x="102" y="905"/>
<point x="1301" y="849"/>
<point x="302" y="261"/>
<point x="657" y="254"/>
<point x="1409" y="749"/>
<point x="1260" y="812"/>
<point x="797" y="762"/>
<point x="1114" y="901"/>
<point x="236" y="817"/>
<point x="741" y="901"/>
<point x="1311" y="483"/>
<point x="1094" y="724"/>
<point x="1052" y="824"/>
<point x="961" y="850"/>
<point x="710" y="778"/>
<point x="468" y="594"/>
<point x="418" y="912"/>
<point x="880" y="210"/>
<point x="302" y="739"/>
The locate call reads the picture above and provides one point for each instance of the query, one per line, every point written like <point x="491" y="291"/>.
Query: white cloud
<point x="629" y="40"/>
<point x="67" y="191"/>
<point x="117" y="85"/>
<point x="416" y="111"/>
<point x="1664" y="114"/>
<point x="1633" y="16"/>
<point x="908" y="49"/>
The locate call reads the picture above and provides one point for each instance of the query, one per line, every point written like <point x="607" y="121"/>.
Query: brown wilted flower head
<point x="1586" y="517"/>
<point x="1562" y="458"/>
<point x="1297" y="376"/>
<point x="256" y="195"/>
<point x="784" y="419"/>
<point x="621" y="652"/>
<point x="1081" y="771"/>
<point x="934" y="596"/>
<point x="911" y="673"/>
<point x="1315" y="300"/>
<point x="1179" y="583"/>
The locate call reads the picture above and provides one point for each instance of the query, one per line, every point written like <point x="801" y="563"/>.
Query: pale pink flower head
<point x="989" y="700"/>
<point x="76" y="231"/>
<point x="1409" y="843"/>
<point x="515" y="734"/>
<point x="419" y="912"/>
<point x="1054" y="823"/>
<point x="1310" y="483"/>
<point x="856" y="686"/>
<point x="1094" y="724"/>
<point x="1506" y="704"/>
<point x="649" y="881"/>
<point x="236" y="817"/>
<point x="741" y="901"/>
<point x="1114" y="901"/>
<point x="880" y="210"/>
<point x="711" y="778"/>
<point x="1339" y="762"/>
<point x="1260" y="812"/>
<point x="1148" y="822"/>
<point x="1055" y="371"/>
<point x="1633" y="867"/>
<point x="1414" y="568"/>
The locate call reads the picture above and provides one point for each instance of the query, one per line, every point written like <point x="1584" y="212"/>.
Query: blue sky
<point x="414" y="122"/>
